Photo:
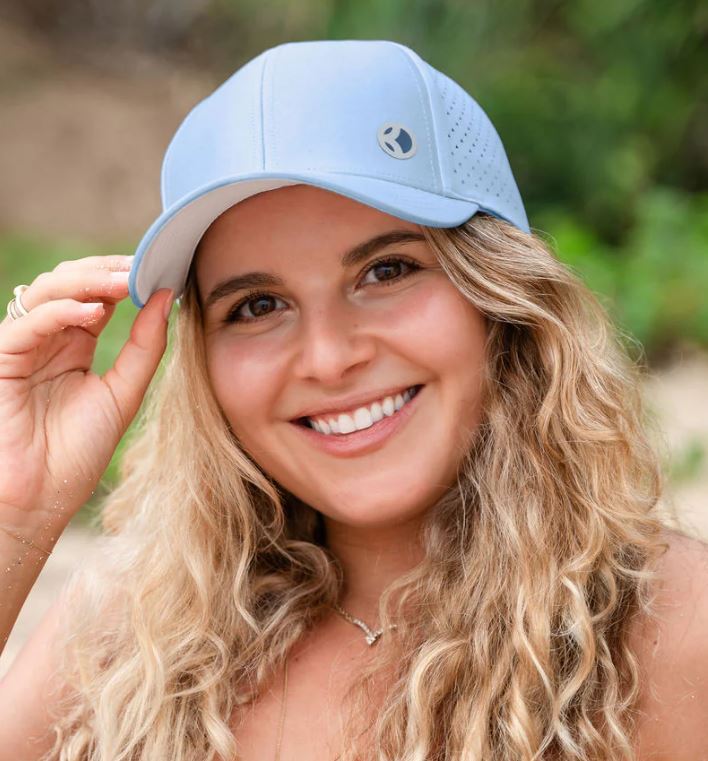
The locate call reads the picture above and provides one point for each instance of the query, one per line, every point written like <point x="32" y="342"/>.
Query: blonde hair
<point x="514" y="626"/>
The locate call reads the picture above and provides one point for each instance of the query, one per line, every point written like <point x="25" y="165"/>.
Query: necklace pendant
<point x="370" y="636"/>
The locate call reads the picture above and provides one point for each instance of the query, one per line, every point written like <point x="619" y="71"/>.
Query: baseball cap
<point x="368" y="119"/>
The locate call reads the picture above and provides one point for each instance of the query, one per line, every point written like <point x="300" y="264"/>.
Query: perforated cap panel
<point x="473" y="158"/>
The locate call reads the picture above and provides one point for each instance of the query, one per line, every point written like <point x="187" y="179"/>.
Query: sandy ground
<point x="80" y="156"/>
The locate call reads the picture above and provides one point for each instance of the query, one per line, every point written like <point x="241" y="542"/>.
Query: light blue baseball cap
<point x="368" y="119"/>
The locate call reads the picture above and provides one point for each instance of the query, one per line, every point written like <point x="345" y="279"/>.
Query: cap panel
<point x="473" y="160"/>
<point x="324" y="102"/>
<point x="220" y="137"/>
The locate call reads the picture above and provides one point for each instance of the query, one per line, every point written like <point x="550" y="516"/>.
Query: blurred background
<point x="602" y="106"/>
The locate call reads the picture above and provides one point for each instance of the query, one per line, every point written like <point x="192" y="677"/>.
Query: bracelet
<point x="25" y="541"/>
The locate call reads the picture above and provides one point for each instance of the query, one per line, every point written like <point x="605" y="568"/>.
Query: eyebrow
<point x="354" y="256"/>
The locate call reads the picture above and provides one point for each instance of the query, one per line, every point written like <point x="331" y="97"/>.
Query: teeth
<point x="376" y="412"/>
<point x="346" y="424"/>
<point x="363" y="417"/>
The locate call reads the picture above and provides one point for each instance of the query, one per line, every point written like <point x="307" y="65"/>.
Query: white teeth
<point x="376" y="412"/>
<point x="363" y="417"/>
<point x="346" y="424"/>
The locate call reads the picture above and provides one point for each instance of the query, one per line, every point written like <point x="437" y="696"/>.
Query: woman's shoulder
<point x="672" y="649"/>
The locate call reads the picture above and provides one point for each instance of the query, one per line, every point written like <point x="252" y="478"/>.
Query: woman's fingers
<point x="139" y="358"/>
<point x="31" y="330"/>
<point x="89" y="284"/>
<point x="101" y="262"/>
<point x="99" y="279"/>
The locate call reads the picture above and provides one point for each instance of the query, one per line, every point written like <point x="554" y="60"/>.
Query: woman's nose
<point x="332" y="343"/>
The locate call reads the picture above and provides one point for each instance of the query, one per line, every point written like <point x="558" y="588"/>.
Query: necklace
<point x="371" y="638"/>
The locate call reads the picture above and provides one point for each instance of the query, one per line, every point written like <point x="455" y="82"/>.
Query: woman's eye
<point x="252" y="308"/>
<point x="391" y="269"/>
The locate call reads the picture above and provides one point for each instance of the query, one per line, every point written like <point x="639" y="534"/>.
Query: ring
<point x="15" y="307"/>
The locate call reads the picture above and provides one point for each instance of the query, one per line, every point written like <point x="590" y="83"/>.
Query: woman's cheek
<point x="241" y="373"/>
<point x="435" y="323"/>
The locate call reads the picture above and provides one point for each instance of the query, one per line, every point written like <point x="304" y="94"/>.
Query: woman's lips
<point x="361" y="442"/>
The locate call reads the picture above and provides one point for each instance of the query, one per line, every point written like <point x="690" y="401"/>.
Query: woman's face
<point x="338" y="326"/>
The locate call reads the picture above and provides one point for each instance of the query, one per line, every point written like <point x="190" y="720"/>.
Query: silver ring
<point x="15" y="307"/>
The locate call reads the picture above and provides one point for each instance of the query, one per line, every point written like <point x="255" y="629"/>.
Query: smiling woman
<point x="393" y="496"/>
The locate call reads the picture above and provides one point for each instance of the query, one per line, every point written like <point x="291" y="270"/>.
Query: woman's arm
<point x="27" y="691"/>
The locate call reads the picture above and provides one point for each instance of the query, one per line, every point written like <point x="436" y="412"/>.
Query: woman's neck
<point x="372" y="558"/>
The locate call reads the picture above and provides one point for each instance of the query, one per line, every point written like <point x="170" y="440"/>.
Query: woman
<point x="392" y="497"/>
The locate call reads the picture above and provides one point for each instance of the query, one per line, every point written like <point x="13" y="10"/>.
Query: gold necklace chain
<point x="371" y="639"/>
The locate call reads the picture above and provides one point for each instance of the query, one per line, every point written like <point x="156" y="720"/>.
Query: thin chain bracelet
<point x="25" y="541"/>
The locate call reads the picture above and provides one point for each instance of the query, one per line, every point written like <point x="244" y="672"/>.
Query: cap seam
<point x="421" y="84"/>
<point x="262" y="111"/>
<point x="273" y="158"/>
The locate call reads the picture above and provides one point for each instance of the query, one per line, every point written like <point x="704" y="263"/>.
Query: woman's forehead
<point x="298" y="222"/>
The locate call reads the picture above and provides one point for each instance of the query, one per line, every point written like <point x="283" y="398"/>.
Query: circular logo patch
<point x="396" y="140"/>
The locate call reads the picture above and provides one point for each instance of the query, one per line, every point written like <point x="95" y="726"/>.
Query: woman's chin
<point x="350" y="506"/>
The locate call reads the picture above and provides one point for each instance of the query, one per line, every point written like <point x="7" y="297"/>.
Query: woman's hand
<point x="60" y="422"/>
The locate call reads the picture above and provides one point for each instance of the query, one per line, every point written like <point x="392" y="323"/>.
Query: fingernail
<point x="168" y="304"/>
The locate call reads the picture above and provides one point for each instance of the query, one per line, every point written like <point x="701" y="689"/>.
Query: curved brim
<point x="164" y="254"/>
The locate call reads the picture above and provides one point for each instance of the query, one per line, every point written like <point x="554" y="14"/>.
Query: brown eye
<point x="391" y="269"/>
<point x="255" y="304"/>
<point x="260" y="305"/>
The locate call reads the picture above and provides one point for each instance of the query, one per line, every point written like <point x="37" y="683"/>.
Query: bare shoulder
<point x="672" y="648"/>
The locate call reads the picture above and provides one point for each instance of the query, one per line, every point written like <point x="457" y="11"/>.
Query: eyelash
<point x="413" y="266"/>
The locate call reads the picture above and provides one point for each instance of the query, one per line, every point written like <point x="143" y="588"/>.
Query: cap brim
<point x="165" y="252"/>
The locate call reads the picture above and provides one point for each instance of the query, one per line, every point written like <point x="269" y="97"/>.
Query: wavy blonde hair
<point x="515" y="625"/>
